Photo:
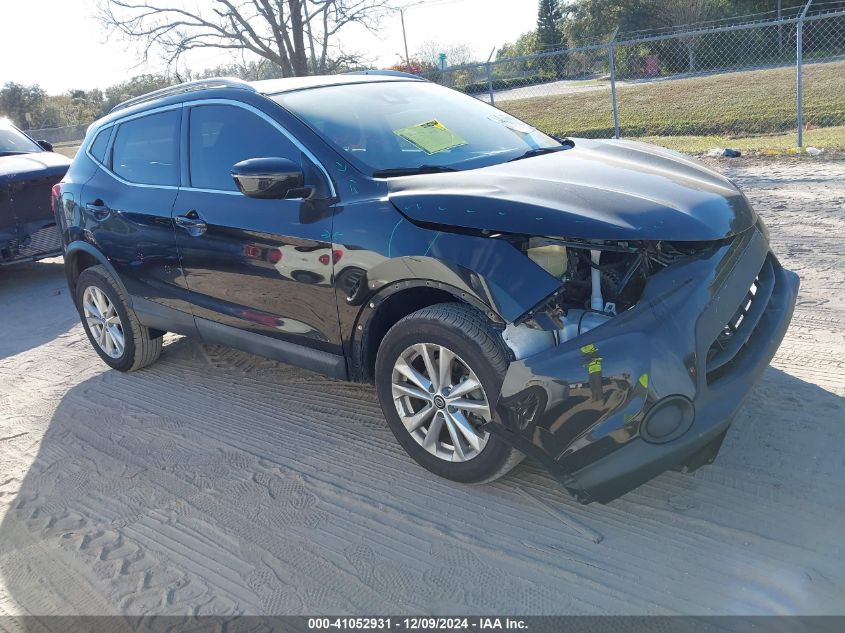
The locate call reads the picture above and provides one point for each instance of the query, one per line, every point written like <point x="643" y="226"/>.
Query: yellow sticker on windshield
<point x="431" y="137"/>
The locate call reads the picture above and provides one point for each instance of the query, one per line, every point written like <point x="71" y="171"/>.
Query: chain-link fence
<point x="68" y="134"/>
<point x="773" y="83"/>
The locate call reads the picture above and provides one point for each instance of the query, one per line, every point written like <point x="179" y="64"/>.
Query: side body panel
<point x="262" y="265"/>
<point x="127" y="227"/>
<point x="131" y="224"/>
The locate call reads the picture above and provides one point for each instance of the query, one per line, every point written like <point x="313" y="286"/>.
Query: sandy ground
<point x="218" y="482"/>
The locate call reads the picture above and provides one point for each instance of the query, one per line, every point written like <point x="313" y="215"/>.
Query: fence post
<point x="799" y="72"/>
<point x="490" y="76"/>
<point x="612" y="60"/>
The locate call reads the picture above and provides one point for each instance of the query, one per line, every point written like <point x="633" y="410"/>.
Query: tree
<point x="22" y="104"/>
<point x="550" y="37"/>
<point x="682" y="13"/>
<point x="415" y="67"/>
<point x="525" y="44"/>
<point x="456" y="54"/>
<point x="134" y="87"/>
<point x="252" y="70"/>
<point x="588" y="20"/>
<point x="298" y="36"/>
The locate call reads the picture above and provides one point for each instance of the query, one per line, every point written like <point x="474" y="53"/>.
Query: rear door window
<point x="222" y="135"/>
<point x="146" y="150"/>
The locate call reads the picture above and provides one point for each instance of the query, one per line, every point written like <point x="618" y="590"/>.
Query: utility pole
<point x="401" y="11"/>
<point x="404" y="36"/>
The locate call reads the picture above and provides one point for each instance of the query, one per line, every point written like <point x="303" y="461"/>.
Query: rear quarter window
<point x="146" y="150"/>
<point x="100" y="144"/>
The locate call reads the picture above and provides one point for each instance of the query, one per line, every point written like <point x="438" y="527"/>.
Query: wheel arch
<point x="80" y="255"/>
<point x="391" y="304"/>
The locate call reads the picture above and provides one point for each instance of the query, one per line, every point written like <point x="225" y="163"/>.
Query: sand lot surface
<point x="219" y="482"/>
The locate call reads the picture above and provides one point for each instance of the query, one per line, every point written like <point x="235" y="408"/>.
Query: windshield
<point x="13" y="142"/>
<point x="413" y="125"/>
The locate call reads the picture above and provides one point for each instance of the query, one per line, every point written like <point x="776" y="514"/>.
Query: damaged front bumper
<point x="29" y="241"/>
<point x="658" y="386"/>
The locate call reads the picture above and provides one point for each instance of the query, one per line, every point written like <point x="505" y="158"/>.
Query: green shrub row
<point x="505" y="83"/>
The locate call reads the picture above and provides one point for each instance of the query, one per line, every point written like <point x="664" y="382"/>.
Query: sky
<point x="60" y="44"/>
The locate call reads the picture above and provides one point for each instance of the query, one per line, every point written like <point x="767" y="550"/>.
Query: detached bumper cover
<point x="702" y="334"/>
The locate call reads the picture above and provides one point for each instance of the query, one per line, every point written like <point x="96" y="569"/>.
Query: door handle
<point x="98" y="209"/>
<point x="192" y="223"/>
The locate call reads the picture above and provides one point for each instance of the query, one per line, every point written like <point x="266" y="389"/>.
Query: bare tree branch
<point x="286" y="33"/>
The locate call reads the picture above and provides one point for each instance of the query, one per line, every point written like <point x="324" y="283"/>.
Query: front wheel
<point x="438" y="374"/>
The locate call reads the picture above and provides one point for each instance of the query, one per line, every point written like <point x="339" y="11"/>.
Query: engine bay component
<point x="548" y="255"/>
<point x="602" y="277"/>
<point x="525" y="341"/>
<point x="598" y="281"/>
<point x="596" y="300"/>
<point x="580" y="321"/>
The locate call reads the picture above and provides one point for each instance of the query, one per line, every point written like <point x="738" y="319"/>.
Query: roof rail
<point x="387" y="73"/>
<point x="189" y="86"/>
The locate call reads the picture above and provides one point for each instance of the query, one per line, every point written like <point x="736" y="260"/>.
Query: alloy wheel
<point x="103" y="321"/>
<point x="441" y="402"/>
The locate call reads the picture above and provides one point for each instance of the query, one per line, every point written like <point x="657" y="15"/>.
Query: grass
<point x="67" y="148"/>
<point x="829" y="138"/>
<point x="747" y="110"/>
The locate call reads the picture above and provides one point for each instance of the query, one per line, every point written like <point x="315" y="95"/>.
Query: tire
<point x="138" y="349"/>
<point x="480" y="357"/>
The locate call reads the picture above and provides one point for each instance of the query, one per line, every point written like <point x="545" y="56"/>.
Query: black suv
<point x="601" y="306"/>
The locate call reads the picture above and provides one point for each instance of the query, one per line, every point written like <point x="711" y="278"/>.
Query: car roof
<point x="267" y="87"/>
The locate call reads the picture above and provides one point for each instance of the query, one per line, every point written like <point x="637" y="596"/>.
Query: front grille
<point x="727" y="348"/>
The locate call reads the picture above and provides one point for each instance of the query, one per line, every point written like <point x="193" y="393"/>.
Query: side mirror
<point x="47" y="145"/>
<point x="270" y="178"/>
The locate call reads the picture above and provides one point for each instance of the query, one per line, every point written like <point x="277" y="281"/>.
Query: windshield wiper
<point x="411" y="171"/>
<point x="539" y="151"/>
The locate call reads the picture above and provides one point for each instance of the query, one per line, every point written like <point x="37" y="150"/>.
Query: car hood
<point x="605" y="190"/>
<point x="36" y="165"/>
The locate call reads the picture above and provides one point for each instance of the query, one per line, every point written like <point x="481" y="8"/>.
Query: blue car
<point x="602" y="307"/>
